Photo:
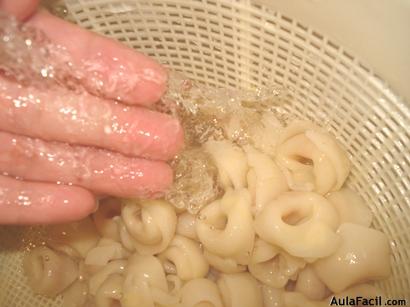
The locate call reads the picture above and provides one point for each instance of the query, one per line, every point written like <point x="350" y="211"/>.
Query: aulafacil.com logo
<point x="365" y="301"/>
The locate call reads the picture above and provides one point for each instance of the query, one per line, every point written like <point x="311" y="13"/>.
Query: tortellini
<point x="296" y="299"/>
<point x="265" y="179"/>
<point x="186" y="225"/>
<point x="125" y="238"/>
<point x="272" y="297"/>
<point x="225" y="227"/>
<point x="200" y="292"/>
<point x="312" y="160"/>
<point x="240" y="290"/>
<point x="186" y="255"/>
<point x="231" y="163"/>
<point x="302" y="223"/>
<point x="272" y="266"/>
<point x="145" y="283"/>
<point x="76" y="294"/>
<point x="75" y="239"/>
<point x="110" y="292"/>
<point x="364" y="255"/>
<point x="350" y="207"/>
<point x="310" y="285"/>
<point x="150" y="225"/>
<point x="106" y="218"/>
<point x="224" y="264"/>
<point x="285" y="233"/>
<point x="49" y="272"/>
<point x="105" y="251"/>
<point x="96" y="280"/>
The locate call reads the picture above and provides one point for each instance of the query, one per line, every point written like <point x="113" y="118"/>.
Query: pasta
<point x="240" y="290"/>
<point x="350" y="207"/>
<point x="145" y="283"/>
<point x="273" y="267"/>
<point x="106" y="218"/>
<point x="228" y="220"/>
<point x="186" y="225"/>
<point x="96" y="280"/>
<point x="105" y="251"/>
<point x="296" y="299"/>
<point x="364" y="255"/>
<point x="200" y="292"/>
<point x="187" y="257"/>
<point x="125" y="238"/>
<point x="85" y="271"/>
<point x="49" y="272"/>
<point x="231" y="163"/>
<point x="150" y="224"/>
<point x="265" y="180"/>
<point x="174" y="284"/>
<point x="286" y="233"/>
<point x="110" y="292"/>
<point x="224" y="264"/>
<point x="309" y="284"/>
<point x="272" y="297"/>
<point x="311" y="159"/>
<point x="302" y="223"/>
<point x="136" y="293"/>
<point x="75" y="239"/>
<point x="75" y="295"/>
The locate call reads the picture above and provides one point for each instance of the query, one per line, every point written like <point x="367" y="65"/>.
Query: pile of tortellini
<point x="286" y="232"/>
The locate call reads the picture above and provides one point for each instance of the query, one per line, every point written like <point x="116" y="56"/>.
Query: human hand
<point x="87" y="141"/>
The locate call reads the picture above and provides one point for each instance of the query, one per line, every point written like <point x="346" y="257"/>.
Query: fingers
<point x="21" y="9"/>
<point x="101" y="171"/>
<point x="41" y="203"/>
<point x="62" y="115"/>
<point x="110" y="69"/>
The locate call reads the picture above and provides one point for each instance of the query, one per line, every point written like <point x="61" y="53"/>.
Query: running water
<point x="245" y="117"/>
<point x="28" y="57"/>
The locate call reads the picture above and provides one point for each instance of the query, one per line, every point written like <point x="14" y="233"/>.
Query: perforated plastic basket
<point x="241" y="44"/>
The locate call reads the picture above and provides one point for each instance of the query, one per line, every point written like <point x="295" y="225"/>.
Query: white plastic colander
<point x="243" y="43"/>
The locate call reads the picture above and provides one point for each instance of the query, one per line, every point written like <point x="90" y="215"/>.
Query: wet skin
<point x="60" y="148"/>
